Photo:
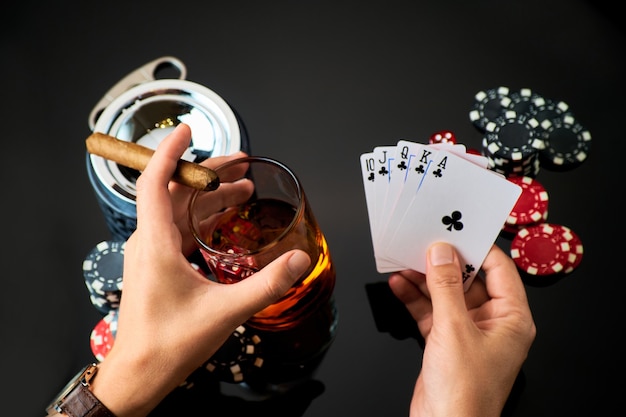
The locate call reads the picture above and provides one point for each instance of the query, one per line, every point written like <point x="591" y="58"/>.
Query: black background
<point x="317" y="84"/>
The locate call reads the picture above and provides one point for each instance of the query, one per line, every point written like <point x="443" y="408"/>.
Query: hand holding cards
<point x="418" y="194"/>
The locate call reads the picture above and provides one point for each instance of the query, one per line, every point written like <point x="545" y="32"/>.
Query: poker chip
<point x="102" y="271"/>
<point x="512" y="137"/>
<point x="532" y="205"/>
<point x="566" y="143"/>
<point x="103" y="335"/>
<point x="511" y="145"/>
<point x="546" y="109"/>
<point x="105" y="302"/>
<point x="238" y="358"/>
<point x="520" y="101"/>
<point x="103" y="267"/>
<point x="510" y="230"/>
<point x="487" y="106"/>
<point x="527" y="168"/>
<point x="443" y="136"/>
<point x="542" y="249"/>
<point x="575" y="253"/>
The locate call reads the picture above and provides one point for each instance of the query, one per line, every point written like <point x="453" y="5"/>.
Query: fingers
<point x="227" y="195"/>
<point x="270" y="283"/>
<point x="441" y="289"/>
<point x="215" y="161"/>
<point x="444" y="281"/>
<point x="404" y="286"/>
<point x="476" y="295"/>
<point x="181" y="192"/>
<point x="228" y="172"/>
<point x="405" y="289"/>
<point x="502" y="278"/>
<point x="153" y="199"/>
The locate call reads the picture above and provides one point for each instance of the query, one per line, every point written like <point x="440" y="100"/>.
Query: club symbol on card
<point x="402" y="166"/>
<point x="468" y="272"/>
<point x="419" y="169"/>
<point x="371" y="177"/>
<point x="383" y="171"/>
<point x="438" y="173"/>
<point x="453" y="221"/>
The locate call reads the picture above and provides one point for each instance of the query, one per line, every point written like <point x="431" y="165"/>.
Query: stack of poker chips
<point x="531" y="207"/>
<point x="524" y="131"/>
<point x="538" y="248"/>
<point x="102" y="271"/>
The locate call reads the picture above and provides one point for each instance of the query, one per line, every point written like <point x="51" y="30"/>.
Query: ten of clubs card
<point x="418" y="194"/>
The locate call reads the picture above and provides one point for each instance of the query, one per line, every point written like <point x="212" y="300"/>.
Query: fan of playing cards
<point x="418" y="194"/>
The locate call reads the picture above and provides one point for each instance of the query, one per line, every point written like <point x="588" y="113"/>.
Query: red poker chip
<point x="575" y="253"/>
<point x="541" y="249"/>
<point x="532" y="205"/>
<point x="103" y="335"/>
<point x="512" y="229"/>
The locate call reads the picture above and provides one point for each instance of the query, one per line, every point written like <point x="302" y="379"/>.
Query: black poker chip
<point x="546" y="109"/>
<point x="487" y="106"/>
<point x="105" y="303"/>
<point x="529" y="168"/>
<point x="103" y="267"/>
<point x="239" y="358"/>
<point x="520" y="101"/>
<point x="512" y="137"/>
<point x="566" y="144"/>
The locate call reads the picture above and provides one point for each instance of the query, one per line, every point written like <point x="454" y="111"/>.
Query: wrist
<point x="133" y="386"/>
<point x="469" y="401"/>
<point x="77" y="400"/>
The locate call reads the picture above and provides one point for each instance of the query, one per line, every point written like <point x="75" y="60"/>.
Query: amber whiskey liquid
<point x="296" y="331"/>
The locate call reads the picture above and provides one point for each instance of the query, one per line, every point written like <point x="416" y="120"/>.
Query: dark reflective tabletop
<point x="317" y="84"/>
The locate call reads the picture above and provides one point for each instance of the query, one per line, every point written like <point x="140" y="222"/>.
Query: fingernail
<point x="298" y="263"/>
<point x="441" y="254"/>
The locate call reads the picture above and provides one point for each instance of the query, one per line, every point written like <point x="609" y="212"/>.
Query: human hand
<point x="476" y="342"/>
<point x="171" y="317"/>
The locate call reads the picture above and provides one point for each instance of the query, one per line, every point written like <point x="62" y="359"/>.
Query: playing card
<point x="384" y="157"/>
<point x="370" y="178"/>
<point x="401" y="168"/>
<point x="459" y="149"/>
<point x="458" y="202"/>
<point x="406" y="166"/>
<point x="418" y="160"/>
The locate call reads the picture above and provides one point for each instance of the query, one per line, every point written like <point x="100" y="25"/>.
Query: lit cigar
<point x="133" y="155"/>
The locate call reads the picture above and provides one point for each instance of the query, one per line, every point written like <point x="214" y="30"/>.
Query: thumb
<point x="444" y="281"/>
<point x="273" y="281"/>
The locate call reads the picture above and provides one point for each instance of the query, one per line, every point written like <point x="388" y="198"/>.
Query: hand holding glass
<point x="265" y="214"/>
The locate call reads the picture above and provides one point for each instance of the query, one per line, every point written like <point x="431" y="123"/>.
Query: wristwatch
<point x="77" y="400"/>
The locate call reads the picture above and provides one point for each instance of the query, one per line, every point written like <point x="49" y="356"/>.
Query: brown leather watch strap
<point x="82" y="403"/>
